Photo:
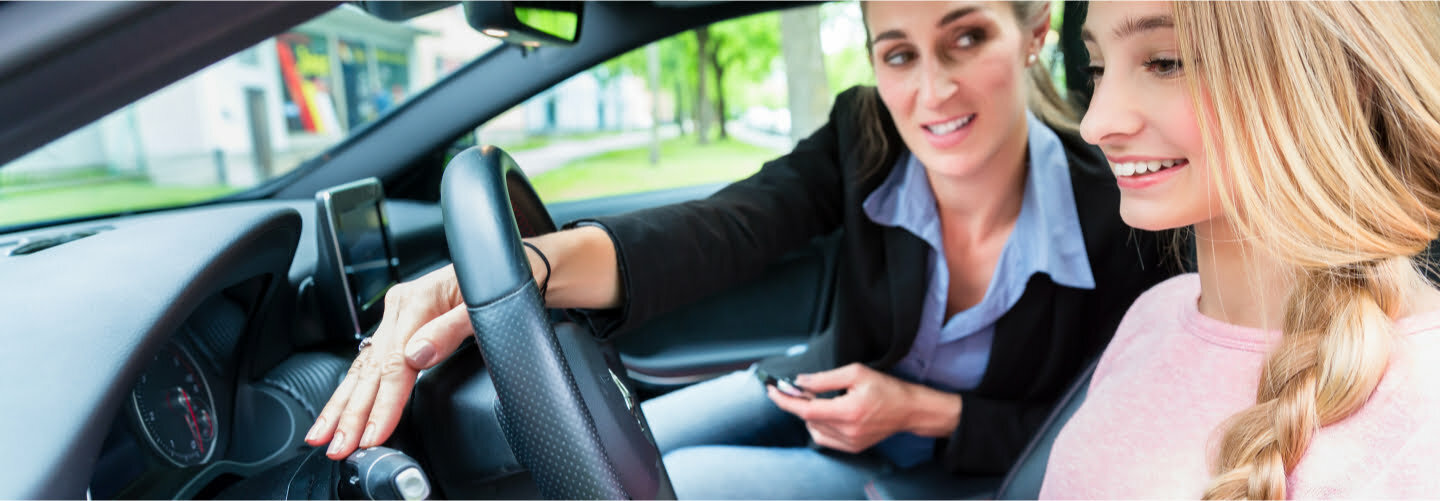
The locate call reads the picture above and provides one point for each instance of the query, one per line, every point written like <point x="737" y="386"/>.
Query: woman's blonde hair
<point x="1321" y="120"/>
<point x="1044" y="100"/>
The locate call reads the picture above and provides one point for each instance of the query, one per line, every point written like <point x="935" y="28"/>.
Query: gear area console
<point x="448" y="445"/>
<point x="374" y="473"/>
<point x="382" y="473"/>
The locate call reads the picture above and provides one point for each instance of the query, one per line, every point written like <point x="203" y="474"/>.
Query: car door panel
<point x="782" y="308"/>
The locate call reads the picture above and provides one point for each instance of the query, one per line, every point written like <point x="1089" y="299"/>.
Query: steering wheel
<point x="567" y="417"/>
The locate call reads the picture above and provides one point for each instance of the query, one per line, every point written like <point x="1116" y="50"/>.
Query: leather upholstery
<point x="1023" y="481"/>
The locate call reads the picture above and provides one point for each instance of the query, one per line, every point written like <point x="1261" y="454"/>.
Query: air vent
<point x="31" y="245"/>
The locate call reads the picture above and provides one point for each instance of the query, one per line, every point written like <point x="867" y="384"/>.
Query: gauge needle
<point x="190" y="419"/>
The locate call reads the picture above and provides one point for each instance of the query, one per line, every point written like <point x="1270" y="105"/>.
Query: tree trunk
<point x="652" y="65"/>
<point x="680" y="107"/>
<point x="702" y="99"/>
<point x="807" y="87"/>
<point x="602" y="80"/>
<point x="719" y="91"/>
<point x="600" y="104"/>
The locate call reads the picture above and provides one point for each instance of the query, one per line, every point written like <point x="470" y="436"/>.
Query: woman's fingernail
<point x="420" y="354"/>
<point x="368" y="440"/>
<point x="315" y="429"/>
<point x="337" y="443"/>
<point x="801" y="379"/>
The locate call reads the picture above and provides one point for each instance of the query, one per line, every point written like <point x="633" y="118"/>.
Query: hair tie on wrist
<point x="544" y="285"/>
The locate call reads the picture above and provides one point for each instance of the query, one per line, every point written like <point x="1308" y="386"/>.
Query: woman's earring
<point x="1030" y="60"/>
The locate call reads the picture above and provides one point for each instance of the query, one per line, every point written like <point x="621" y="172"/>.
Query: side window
<point x="707" y="106"/>
<point x="247" y="119"/>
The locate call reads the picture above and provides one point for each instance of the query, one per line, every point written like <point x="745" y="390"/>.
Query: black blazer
<point x="673" y="255"/>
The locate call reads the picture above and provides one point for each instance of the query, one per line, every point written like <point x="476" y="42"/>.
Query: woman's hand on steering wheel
<point x="424" y="320"/>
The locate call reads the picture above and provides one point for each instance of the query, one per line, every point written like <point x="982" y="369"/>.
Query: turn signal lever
<point x="382" y="473"/>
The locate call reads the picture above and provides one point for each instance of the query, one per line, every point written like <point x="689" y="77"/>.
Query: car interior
<point x="183" y="352"/>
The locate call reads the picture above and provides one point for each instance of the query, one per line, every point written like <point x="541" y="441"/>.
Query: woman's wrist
<point x="542" y="278"/>
<point x="935" y="413"/>
<point x="582" y="268"/>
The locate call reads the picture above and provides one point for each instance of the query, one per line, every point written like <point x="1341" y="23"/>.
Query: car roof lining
<point x="28" y="40"/>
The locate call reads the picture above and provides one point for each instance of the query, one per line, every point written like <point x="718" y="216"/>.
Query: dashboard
<point x="180" y="413"/>
<point x="173" y="354"/>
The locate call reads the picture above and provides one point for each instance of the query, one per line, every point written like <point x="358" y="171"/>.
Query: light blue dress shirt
<point x="952" y="354"/>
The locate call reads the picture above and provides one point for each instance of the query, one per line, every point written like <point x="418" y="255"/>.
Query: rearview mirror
<point x="528" y="23"/>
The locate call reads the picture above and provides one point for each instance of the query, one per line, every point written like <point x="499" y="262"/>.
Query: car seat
<point x="1023" y="480"/>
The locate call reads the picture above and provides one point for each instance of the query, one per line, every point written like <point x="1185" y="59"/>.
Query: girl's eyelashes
<point x="1160" y="66"/>
<point x="1163" y="67"/>
<point x="1093" y="73"/>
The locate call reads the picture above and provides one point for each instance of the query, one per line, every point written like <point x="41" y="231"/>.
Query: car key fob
<point x="788" y="386"/>
<point x="784" y="384"/>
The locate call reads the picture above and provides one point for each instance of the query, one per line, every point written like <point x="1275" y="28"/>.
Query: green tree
<point x="652" y="70"/>
<point x="677" y="66"/>
<point x="702" y="97"/>
<point x="678" y="70"/>
<point x="673" y="73"/>
<point x="739" y="53"/>
<point x="742" y="52"/>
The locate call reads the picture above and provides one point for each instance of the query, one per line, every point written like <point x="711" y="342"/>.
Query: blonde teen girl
<point x="1301" y="141"/>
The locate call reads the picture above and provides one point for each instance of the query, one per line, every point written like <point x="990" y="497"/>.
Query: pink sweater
<point x="1172" y="375"/>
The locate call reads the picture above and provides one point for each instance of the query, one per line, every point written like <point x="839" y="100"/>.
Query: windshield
<point x="249" y="118"/>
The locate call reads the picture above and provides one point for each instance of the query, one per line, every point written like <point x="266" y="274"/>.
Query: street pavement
<point x="557" y="154"/>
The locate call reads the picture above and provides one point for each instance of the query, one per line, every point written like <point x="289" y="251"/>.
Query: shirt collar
<point x="1048" y="219"/>
<point x="906" y="201"/>
<point x="1049" y="189"/>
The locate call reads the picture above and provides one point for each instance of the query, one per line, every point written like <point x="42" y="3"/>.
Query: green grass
<point x="526" y="143"/>
<point x="74" y="174"/>
<point x="95" y="199"/>
<point x="682" y="163"/>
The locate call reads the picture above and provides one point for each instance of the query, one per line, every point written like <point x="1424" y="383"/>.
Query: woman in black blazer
<point x="937" y="176"/>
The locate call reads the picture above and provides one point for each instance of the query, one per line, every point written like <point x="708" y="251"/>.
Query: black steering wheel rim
<point x="548" y="421"/>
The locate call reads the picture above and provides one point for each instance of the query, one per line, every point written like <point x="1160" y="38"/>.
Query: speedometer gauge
<point x="173" y="405"/>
